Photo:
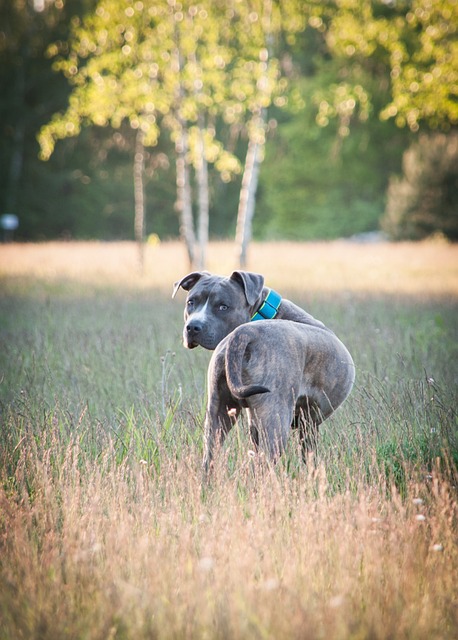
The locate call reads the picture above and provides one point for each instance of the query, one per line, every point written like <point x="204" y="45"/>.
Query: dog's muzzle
<point x="192" y="333"/>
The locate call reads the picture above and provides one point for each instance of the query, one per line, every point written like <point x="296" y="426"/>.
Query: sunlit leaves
<point x="342" y="101"/>
<point x="417" y="43"/>
<point x="169" y="64"/>
<point x="426" y="85"/>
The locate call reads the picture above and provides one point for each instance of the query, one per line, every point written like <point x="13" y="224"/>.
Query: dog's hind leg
<point x="270" y="423"/>
<point x="307" y="419"/>
<point x="308" y="437"/>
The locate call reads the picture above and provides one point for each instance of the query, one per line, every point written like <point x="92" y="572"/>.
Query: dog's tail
<point x="238" y="351"/>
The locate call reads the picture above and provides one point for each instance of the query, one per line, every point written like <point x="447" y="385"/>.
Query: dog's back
<point x="278" y="357"/>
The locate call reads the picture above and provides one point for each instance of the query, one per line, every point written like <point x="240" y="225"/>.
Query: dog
<point x="293" y="373"/>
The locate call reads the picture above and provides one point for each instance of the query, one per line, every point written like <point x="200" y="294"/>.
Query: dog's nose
<point x="193" y="328"/>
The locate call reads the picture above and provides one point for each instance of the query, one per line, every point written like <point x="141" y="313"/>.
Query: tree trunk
<point x="184" y="200"/>
<point x="202" y="189"/>
<point x="255" y="151"/>
<point x="183" y="179"/>
<point x="139" y="195"/>
<point x="247" y="199"/>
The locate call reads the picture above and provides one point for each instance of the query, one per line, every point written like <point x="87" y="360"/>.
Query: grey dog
<point x="293" y="373"/>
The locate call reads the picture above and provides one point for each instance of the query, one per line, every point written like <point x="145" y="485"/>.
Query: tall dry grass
<point x="106" y="530"/>
<point x="98" y="549"/>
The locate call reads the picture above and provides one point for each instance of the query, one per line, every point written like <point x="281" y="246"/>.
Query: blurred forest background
<point x="335" y="118"/>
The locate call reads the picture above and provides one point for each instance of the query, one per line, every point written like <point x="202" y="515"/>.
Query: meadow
<point x="105" y="528"/>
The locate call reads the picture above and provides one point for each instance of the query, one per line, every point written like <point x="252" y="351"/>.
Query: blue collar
<point x="269" y="308"/>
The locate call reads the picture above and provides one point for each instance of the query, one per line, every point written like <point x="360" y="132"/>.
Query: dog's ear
<point x="252" y="284"/>
<point x="189" y="281"/>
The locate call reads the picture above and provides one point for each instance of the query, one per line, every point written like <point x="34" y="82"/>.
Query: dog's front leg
<point x="209" y="443"/>
<point x="217" y="425"/>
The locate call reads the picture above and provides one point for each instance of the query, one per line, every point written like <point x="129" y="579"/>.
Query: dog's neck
<point x="269" y="306"/>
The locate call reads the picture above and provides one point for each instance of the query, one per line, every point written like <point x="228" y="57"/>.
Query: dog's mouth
<point x="189" y="344"/>
<point x="206" y="342"/>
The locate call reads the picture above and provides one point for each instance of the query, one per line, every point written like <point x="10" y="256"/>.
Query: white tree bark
<point x="247" y="198"/>
<point x="184" y="198"/>
<point x="139" y="194"/>
<point x="203" y="200"/>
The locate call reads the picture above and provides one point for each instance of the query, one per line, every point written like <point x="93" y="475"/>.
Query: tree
<point x="412" y="47"/>
<point x="412" y="44"/>
<point x="425" y="200"/>
<point x="150" y="63"/>
<point x="109" y="65"/>
<point x="199" y="58"/>
<point x="258" y="48"/>
<point x="27" y="82"/>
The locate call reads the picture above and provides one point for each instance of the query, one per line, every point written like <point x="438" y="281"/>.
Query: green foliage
<point x="416" y="43"/>
<point x="85" y="190"/>
<point x="108" y="65"/>
<point x="425" y="200"/>
<point x="157" y="65"/>
<point x="161" y="66"/>
<point x="320" y="182"/>
<point x="30" y="91"/>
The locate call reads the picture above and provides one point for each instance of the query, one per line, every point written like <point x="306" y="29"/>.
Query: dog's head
<point x="216" y="305"/>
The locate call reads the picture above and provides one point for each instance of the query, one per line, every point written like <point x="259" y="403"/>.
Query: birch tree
<point x="257" y="79"/>
<point x="113" y="69"/>
<point x="187" y="67"/>
<point x="201" y="55"/>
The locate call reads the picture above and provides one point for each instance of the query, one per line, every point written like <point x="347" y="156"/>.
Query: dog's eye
<point x="223" y="307"/>
<point x="190" y="304"/>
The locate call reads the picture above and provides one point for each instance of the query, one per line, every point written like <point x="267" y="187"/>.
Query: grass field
<point x="105" y="531"/>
